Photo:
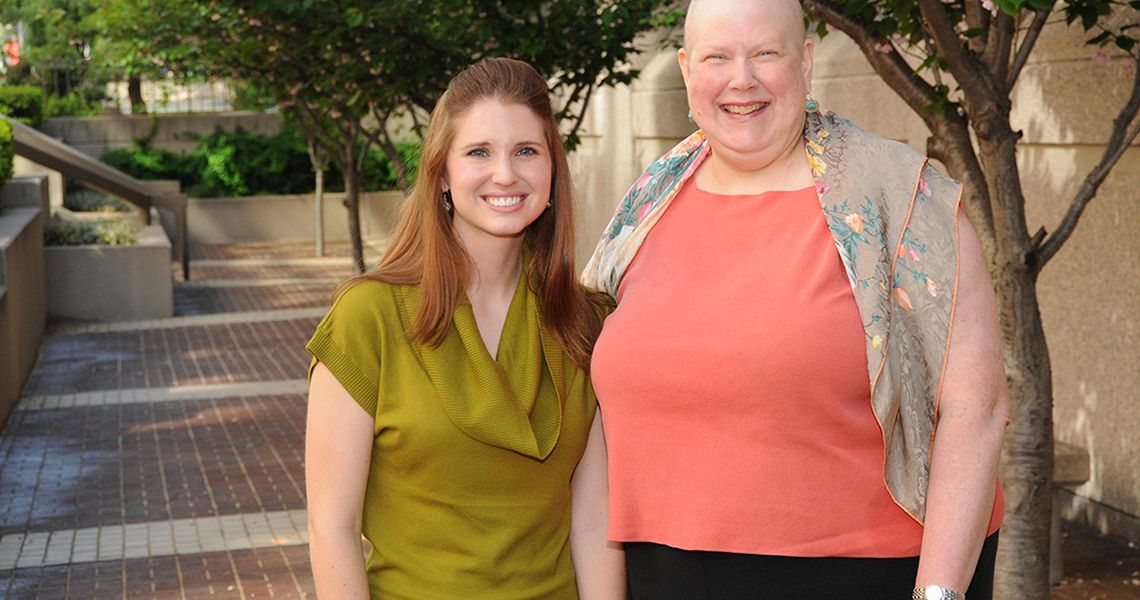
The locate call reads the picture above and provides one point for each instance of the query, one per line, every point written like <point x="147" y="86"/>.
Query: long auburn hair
<point x="427" y="252"/>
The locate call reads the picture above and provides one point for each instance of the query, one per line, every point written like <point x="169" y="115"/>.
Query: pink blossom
<point x="821" y="188"/>
<point x="990" y="6"/>
<point x="884" y="47"/>
<point x="915" y="255"/>
<point x="642" y="181"/>
<point x="923" y="187"/>
<point x="1101" y="58"/>
<point x="644" y="212"/>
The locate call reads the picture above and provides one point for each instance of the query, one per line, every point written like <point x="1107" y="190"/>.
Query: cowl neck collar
<point x="513" y="402"/>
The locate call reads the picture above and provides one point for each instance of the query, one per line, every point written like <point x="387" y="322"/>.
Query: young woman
<point x="450" y="410"/>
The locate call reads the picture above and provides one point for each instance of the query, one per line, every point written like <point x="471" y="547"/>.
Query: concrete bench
<point x="1070" y="469"/>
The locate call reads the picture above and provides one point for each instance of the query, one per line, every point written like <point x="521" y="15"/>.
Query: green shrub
<point x="6" y="152"/>
<point x="23" y="103"/>
<point x="143" y="162"/>
<point x="84" y="200"/>
<point x="380" y="173"/>
<point x="74" y="104"/>
<point x="240" y="163"/>
<point x="78" y="233"/>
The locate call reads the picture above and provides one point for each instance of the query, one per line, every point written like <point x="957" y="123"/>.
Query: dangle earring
<point x="811" y="105"/>
<point x="447" y="200"/>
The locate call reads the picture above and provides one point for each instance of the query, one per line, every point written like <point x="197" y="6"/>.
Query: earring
<point x="549" y="203"/>
<point x="691" y="117"/>
<point x="447" y="200"/>
<point x="811" y="105"/>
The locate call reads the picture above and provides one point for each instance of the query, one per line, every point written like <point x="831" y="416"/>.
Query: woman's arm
<point x="338" y="449"/>
<point x="599" y="564"/>
<point x="972" y="416"/>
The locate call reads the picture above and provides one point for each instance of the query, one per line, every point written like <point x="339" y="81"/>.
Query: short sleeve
<point x="348" y="342"/>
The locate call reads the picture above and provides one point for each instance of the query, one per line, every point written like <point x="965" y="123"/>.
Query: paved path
<point x="163" y="459"/>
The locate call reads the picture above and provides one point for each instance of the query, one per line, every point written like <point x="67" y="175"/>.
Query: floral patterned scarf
<point x="893" y="220"/>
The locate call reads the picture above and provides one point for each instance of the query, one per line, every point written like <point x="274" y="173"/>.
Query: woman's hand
<point x="338" y="450"/>
<point x="599" y="565"/>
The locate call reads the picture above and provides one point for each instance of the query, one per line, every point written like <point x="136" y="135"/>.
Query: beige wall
<point x="626" y="129"/>
<point x="288" y="218"/>
<point x="1089" y="293"/>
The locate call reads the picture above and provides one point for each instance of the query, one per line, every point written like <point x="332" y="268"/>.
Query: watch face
<point x="935" y="592"/>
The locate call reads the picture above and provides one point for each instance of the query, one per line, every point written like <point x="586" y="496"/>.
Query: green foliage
<point x="141" y="161"/>
<point x="6" y="151"/>
<point x="118" y="232"/>
<point x="85" y="200"/>
<point x="379" y="172"/>
<point x="23" y="103"/>
<point x="240" y="163"/>
<point x="74" y="104"/>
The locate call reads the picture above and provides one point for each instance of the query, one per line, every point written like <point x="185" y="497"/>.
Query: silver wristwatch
<point x="936" y="592"/>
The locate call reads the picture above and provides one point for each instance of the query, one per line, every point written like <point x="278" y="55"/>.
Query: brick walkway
<point x="164" y="459"/>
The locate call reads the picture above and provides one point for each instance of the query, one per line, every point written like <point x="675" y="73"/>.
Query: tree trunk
<point x="352" y="203"/>
<point x="1022" y="570"/>
<point x="134" y="92"/>
<point x="320" y="216"/>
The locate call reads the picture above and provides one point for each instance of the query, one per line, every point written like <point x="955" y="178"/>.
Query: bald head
<point x="788" y="15"/>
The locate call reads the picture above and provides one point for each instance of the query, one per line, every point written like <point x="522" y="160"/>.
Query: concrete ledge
<point x="276" y="218"/>
<point x="1104" y="519"/>
<point x="22" y="312"/>
<point x="28" y="191"/>
<point x="111" y="283"/>
<point x="96" y="135"/>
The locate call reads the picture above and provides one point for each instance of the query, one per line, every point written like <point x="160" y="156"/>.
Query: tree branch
<point x="573" y="135"/>
<point x="1124" y="132"/>
<point x="970" y="74"/>
<point x="1003" y="30"/>
<point x="1027" y="44"/>
<point x="977" y="17"/>
<point x="913" y="89"/>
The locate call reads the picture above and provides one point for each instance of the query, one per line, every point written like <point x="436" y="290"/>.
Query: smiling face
<point x="498" y="171"/>
<point x="747" y="68"/>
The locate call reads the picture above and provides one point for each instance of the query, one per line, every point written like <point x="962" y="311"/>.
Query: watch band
<point x="936" y="592"/>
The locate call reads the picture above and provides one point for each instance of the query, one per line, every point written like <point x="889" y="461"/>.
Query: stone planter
<point x="280" y="218"/>
<point x="111" y="283"/>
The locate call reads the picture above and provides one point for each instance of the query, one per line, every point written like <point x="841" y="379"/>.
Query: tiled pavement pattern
<point x="163" y="459"/>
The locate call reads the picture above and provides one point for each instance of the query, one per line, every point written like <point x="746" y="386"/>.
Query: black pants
<point x="659" y="572"/>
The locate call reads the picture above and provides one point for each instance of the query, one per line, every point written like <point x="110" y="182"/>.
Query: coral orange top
<point x="734" y="391"/>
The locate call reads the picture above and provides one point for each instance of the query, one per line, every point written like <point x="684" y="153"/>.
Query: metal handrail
<point x="54" y="154"/>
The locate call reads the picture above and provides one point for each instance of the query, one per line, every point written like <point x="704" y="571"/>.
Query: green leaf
<point x="1125" y="43"/>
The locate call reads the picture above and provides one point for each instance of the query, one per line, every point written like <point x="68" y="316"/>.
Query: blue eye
<point x="528" y="151"/>
<point x="478" y="152"/>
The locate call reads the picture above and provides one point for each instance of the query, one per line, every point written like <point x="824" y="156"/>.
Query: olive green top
<point x="468" y="492"/>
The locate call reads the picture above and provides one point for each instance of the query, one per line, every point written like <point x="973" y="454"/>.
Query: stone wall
<point x="22" y="288"/>
<point x="96" y="135"/>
